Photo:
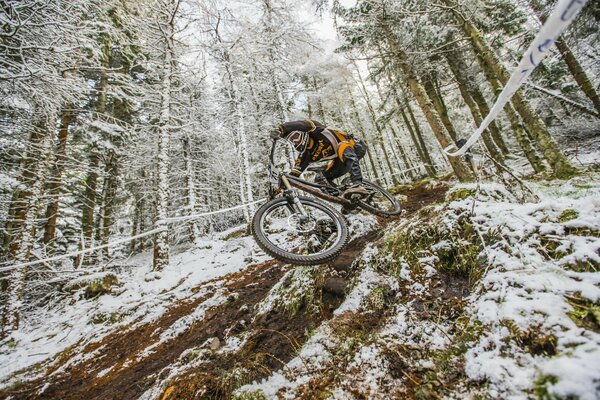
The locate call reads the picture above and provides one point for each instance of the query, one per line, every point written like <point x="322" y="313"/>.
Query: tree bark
<point x="394" y="136"/>
<point x="561" y="167"/>
<point x="190" y="187"/>
<point x="55" y="182"/>
<point x="363" y="131"/>
<point x="240" y="139"/>
<point x="439" y="106"/>
<point x="417" y="136"/>
<point x="522" y="137"/>
<point x="33" y="177"/>
<point x="29" y="166"/>
<point x="575" y="68"/>
<point x="461" y="171"/>
<point x="91" y="181"/>
<point x="161" y="239"/>
<point x="464" y="89"/>
<point x="380" y="139"/>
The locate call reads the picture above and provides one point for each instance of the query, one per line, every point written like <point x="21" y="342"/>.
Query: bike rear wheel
<point x="379" y="201"/>
<point x="282" y="232"/>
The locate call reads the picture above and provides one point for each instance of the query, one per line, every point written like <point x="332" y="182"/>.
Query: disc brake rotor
<point x="301" y="224"/>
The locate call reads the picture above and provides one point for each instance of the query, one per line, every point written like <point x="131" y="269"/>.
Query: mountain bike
<point x="302" y="230"/>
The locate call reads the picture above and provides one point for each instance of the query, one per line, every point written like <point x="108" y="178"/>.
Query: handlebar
<point x="273" y="171"/>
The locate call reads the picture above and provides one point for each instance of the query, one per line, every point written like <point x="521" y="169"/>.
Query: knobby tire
<point x="292" y="258"/>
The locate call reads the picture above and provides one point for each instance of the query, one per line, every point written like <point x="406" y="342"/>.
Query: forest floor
<point x="125" y="363"/>
<point x="438" y="303"/>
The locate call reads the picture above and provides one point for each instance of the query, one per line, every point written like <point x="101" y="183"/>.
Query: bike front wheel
<point x="284" y="233"/>
<point x="379" y="201"/>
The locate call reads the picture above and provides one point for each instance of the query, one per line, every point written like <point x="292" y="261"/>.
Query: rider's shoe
<point x="355" y="192"/>
<point x="330" y="186"/>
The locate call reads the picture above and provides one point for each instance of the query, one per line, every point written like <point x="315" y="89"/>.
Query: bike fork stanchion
<point x="290" y="196"/>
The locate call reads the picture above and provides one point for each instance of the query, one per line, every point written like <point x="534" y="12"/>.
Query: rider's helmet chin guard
<point x="298" y="139"/>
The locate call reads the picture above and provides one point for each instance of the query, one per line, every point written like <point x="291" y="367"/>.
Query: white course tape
<point x="128" y="239"/>
<point x="91" y="249"/>
<point x="563" y="15"/>
<point x="195" y="216"/>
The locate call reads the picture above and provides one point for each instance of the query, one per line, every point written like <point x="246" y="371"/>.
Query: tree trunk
<point x="91" y="182"/>
<point x="190" y="188"/>
<point x="522" y="137"/>
<point x="33" y="177"/>
<point x="240" y="139"/>
<point x="111" y="182"/>
<point x="29" y="166"/>
<point x="161" y="239"/>
<point x="55" y="181"/>
<point x="439" y="106"/>
<point x="363" y="132"/>
<point x="460" y="169"/>
<point x="419" y="144"/>
<point x="575" y="68"/>
<point x="484" y="110"/>
<point x="407" y="164"/>
<point x="561" y="167"/>
<point x="394" y="137"/>
<point x="380" y="139"/>
<point x="464" y="89"/>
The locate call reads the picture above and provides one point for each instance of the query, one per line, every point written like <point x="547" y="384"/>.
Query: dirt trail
<point x="115" y="369"/>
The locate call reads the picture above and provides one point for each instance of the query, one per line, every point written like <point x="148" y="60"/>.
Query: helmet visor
<point x="298" y="139"/>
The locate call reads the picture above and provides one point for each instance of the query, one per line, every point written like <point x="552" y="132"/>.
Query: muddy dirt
<point x="422" y="196"/>
<point x="273" y="341"/>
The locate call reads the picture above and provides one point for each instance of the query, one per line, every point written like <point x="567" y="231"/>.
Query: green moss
<point x="299" y="291"/>
<point x="568" y="215"/>
<point x="457" y="252"/>
<point x="459" y="194"/>
<point x="110" y="319"/>
<point x="237" y="234"/>
<point x="398" y="189"/>
<point x="534" y="340"/>
<point x="377" y="298"/>
<point x="541" y="387"/>
<point x="256" y="395"/>
<point x="100" y="286"/>
<point x="448" y="364"/>
<point x="93" y="285"/>
<point x="585" y="314"/>
<point x="412" y="186"/>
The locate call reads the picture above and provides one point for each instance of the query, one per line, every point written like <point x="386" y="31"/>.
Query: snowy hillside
<point x="299" y="199"/>
<point x="477" y="294"/>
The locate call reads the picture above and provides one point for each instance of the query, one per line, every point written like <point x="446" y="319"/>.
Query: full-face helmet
<point x="298" y="139"/>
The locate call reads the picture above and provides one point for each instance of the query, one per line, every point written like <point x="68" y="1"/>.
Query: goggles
<point x="298" y="139"/>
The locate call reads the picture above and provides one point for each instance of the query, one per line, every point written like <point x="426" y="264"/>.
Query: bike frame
<point x="286" y="182"/>
<point x="283" y="180"/>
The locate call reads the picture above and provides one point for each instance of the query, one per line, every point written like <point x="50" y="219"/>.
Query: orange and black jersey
<point x="323" y="143"/>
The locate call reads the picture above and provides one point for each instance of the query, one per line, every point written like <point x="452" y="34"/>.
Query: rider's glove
<point x="295" y="172"/>
<point x="275" y="133"/>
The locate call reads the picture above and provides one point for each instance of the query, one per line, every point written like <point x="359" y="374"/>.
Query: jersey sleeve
<point x="302" y="125"/>
<point x="301" y="163"/>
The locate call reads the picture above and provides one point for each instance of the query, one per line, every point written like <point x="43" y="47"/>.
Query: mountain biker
<point x="316" y="142"/>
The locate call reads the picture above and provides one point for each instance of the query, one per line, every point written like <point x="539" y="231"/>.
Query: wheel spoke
<point x="309" y="235"/>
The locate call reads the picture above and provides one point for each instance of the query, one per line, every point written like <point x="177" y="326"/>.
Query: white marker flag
<point x="563" y="15"/>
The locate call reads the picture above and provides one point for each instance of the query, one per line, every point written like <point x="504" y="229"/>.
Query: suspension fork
<point x="290" y="195"/>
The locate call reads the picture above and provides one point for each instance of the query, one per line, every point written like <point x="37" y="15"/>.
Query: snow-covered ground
<point x="529" y="312"/>
<point x="139" y="297"/>
<point x="541" y="274"/>
<point x="548" y="255"/>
